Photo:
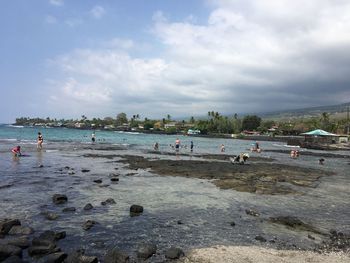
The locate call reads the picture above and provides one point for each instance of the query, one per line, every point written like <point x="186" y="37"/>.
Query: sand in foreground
<point x="240" y="254"/>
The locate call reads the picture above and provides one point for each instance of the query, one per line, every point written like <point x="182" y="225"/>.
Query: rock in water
<point x="50" y="216"/>
<point x="7" y="224"/>
<point x="116" y="256"/>
<point x="88" y="207"/>
<point x="7" y="251"/>
<point x="22" y="242"/>
<point x="109" y="201"/>
<point x="174" y="253"/>
<point x="145" y="251"/>
<point x="260" y="238"/>
<point x="136" y="210"/>
<point x="85" y="170"/>
<point x="89" y="224"/>
<point x="59" y="199"/>
<point x="57" y="257"/>
<point x="80" y="257"/>
<point x="13" y="259"/>
<point x="69" y="209"/>
<point x="21" y="230"/>
<point x="252" y="212"/>
<point x="98" y="181"/>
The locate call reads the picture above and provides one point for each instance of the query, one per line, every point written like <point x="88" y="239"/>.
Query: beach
<point x="272" y="207"/>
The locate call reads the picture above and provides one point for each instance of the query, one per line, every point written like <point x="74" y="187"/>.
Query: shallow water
<point x="205" y="211"/>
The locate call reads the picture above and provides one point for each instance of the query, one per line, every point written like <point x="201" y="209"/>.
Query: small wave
<point x="15" y="126"/>
<point x="51" y="151"/>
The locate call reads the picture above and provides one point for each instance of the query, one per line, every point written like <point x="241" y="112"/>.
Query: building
<point x="321" y="137"/>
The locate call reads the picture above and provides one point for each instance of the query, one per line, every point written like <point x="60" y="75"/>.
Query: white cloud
<point x="50" y="19"/>
<point x="250" y="55"/>
<point x="97" y="12"/>
<point x="57" y="2"/>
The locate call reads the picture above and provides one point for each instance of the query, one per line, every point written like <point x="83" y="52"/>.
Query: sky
<point x="63" y="59"/>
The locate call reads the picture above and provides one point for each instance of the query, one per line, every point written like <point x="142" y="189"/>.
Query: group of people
<point x="177" y="145"/>
<point x="294" y="153"/>
<point x="16" y="151"/>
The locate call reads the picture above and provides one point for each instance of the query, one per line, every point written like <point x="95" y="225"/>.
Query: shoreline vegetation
<point x="215" y="125"/>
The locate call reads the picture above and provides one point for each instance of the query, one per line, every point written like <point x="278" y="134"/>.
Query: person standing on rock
<point x="40" y="141"/>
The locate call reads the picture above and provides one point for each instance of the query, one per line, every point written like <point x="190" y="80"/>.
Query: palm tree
<point x="168" y="117"/>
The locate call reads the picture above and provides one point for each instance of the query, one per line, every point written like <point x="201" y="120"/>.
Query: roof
<point x="319" y="132"/>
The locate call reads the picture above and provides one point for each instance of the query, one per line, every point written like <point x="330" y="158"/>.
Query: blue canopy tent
<point x="320" y="136"/>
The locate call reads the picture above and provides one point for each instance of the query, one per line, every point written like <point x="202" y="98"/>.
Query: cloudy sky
<point x="63" y="58"/>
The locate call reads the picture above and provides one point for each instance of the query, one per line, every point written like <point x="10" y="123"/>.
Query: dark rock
<point x="232" y="223"/>
<point x="179" y="222"/>
<point x="88" y="206"/>
<point x="145" y="251"/>
<point x="48" y="238"/>
<point x="80" y="257"/>
<point x="59" y="199"/>
<point x="294" y="223"/>
<point x="109" y="201"/>
<point x="252" y="212"/>
<point x="98" y="181"/>
<point x="310" y="237"/>
<point x="174" y="253"/>
<point x="41" y="166"/>
<point x="89" y="224"/>
<point x="21" y="230"/>
<point x="260" y="238"/>
<point x="114" y="179"/>
<point x="136" y="210"/>
<point x="13" y="259"/>
<point x="7" y="224"/>
<point x="69" y="209"/>
<point x="50" y="216"/>
<point x="42" y="250"/>
<point x="85" y="170"/>
<point x="22" y="242"/>
<point x="8" y="251"/>
<point x="57" y="257"/>
<point x="116" y="256"/>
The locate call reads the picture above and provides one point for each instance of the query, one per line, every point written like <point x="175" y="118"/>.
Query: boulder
<point x="21" y="230"/>
<point x="85" y="170"/>
<point x="145" y="251"/>
<point x="59" y="199"/>
<point x="7" y="224"/>
<point x="42" y="250"/>
<point x="50" y="216"/>
<point x="80" y="257"/>
<point x="13" y="259"/>
<point x="88" y="207"/>
<point x="114" y="179"/>
<point x="57" y="257"/>
<point x="89" y="224"/>
<point x="174" y="253"/>
<point x="116" y="256"/>
<point x="98" y="181"/>
<point x="136" y="210"/>
<point x="232" y="223"/>
<point x="252" y="212"/>
<point x="260" y="238"/>
<point x="22" y="242"/>
<point x="109" y="201"/>
<point x="7" y="251"/>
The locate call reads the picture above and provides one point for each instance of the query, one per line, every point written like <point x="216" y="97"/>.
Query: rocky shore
<point x="301" y="240"/>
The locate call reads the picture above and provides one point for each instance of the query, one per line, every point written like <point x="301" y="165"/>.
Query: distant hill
<point x="336" y="110"/>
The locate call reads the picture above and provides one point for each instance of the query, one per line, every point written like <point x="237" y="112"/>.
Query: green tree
<point x="251" y="122"/>
<point x="121" y="119"/>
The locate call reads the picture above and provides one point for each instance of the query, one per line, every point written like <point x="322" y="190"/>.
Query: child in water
<point x="16" y="151"/>
<point x="40" y="141"/>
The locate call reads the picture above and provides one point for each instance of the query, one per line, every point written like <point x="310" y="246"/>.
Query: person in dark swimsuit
<point x="40" y="141"/>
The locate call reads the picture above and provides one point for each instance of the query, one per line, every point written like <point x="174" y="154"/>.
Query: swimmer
<point x="321" y="161"/>
<point x="93" y="137"/>
<point x="222" y="148"/>
<point x="156" y="146"/>
<point x="177" y="144"/>
<point x="16" y="151"/>
<point x="40" y="141"/>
